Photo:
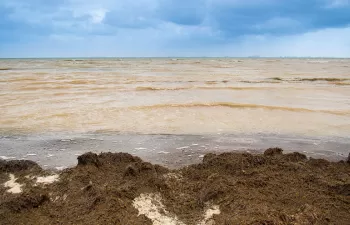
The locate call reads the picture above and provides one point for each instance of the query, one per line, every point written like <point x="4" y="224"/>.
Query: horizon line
<point x="180" y="57"/>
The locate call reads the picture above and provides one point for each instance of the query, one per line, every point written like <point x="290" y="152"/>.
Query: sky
<point x="168" y="28"/>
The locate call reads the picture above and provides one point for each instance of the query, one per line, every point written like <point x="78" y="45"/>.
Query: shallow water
<point x="173" y="151"/>
<point x="237" y="97"/>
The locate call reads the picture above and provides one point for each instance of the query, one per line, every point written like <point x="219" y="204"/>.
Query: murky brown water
<point x="184" y="96"/>
<point x="53" y="110"/>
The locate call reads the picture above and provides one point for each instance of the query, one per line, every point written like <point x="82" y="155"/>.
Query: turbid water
<point x="302" y="104"/>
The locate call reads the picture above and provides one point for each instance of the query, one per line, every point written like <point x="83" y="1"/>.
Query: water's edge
<point x="173" y="151"/>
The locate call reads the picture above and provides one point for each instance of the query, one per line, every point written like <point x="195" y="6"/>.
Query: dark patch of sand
<point x="272" y="188"/>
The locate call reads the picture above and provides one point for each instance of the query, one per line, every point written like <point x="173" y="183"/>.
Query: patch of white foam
<point x="31" y="154"/>
<point x="163" y="152"/>
<point x="60" y="167"/>
<point x="47" y="179"/>
<point x="140" y="148"/>
<point x="6" y="157"/>
<point x="151" y="206"/>
<point x="15" y="188"/>
<point x="184" y="147"/>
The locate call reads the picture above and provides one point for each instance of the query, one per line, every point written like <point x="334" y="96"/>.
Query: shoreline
<point x="225" y="188"/>
<point x="172" y="151"/>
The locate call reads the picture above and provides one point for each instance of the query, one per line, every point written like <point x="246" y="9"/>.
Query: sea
<point x="172" y="111"/>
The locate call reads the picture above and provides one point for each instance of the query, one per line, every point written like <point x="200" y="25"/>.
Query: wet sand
<point x="172" y="151"/>
<point x="229" y="188"/>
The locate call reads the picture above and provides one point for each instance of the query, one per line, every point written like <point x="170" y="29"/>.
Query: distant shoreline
<point x="177" y="57"/>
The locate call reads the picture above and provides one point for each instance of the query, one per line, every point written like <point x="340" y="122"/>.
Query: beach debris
<point x="88" y="159"/>
<point x="14" y="187"/>
<point x="131" y="170"/>
<point x="175" y="176"/>
<point x="17" y="165"/>
<point x="48" y="179"/>
<point x="273" y="151"/>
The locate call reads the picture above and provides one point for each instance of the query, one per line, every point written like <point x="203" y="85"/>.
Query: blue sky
<point x="89" y="28"/>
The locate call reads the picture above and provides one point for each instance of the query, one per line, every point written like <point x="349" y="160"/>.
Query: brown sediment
<point x="211" y="82"/>
<point x="276" y="78"/>
<point x="260" y="82"/>
<point x="5" y="68"/>
<point x="340" y="83"/>
<point x="237" y="105"/>
<point x="329" y="79"/>
<point x="273" y="188"/>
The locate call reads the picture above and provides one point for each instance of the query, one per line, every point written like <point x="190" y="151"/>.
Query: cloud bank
<point x="88" y="28"/>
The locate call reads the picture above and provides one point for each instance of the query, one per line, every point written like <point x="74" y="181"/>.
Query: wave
<point x="199" y="88"/>
<point x="20" y="79"/>
<point x="161" y="88"/>
<point x="238" y="105"/>
<point x="35" y="88"/>
<point x="81" y="82"/>
<point x="329" y="79"/>
<point x="340" y="83"/>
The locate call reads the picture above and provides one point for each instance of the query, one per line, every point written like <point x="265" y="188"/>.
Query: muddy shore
<point x="228" y="188"/>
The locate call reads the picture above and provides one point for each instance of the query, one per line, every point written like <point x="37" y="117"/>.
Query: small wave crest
<point x="238" y="105"/>
<point x="161" y="88"/>
<point x="199" y="88"/>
